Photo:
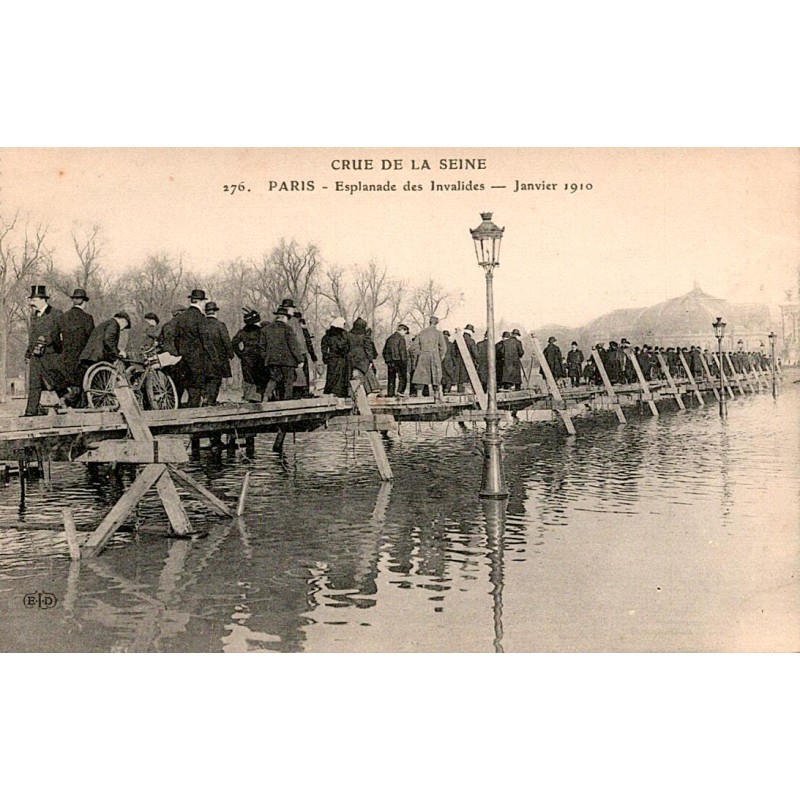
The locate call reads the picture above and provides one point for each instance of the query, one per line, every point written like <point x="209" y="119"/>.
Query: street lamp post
<point x="487" y="237"/>
<point x="772" y="338"/>
<point x="719" y="332"/>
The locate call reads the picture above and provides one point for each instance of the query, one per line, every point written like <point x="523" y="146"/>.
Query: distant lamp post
<point x="772" y="338"/>
<point x="719" y="332"/>
<point x="487" y="237"/>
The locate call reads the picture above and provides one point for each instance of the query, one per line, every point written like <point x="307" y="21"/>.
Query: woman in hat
<point x="362" y="355"/>
<point x="247" y="348"/>
<point x="335" y="347"/>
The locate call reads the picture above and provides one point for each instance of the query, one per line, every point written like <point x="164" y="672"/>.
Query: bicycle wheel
<point x="160" y="390"/>
<point x="135" y="373"/>
<point x="98" y="384"/>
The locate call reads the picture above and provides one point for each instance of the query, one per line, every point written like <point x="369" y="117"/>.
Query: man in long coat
<point x="449" y="364"/>
<point x="511" y="377"/>
<point x="45" y="366"/>
<point x="432" y="350"/>
<point x="395" y="354"/>
<point x="482" y="361"/>
<point x="552" y="355"/>
<point x="193" y="343"/>
<point x="574" y="364"/>
<point x="221" y="354"/>
<point x="76" y="328"/>
<point x="282" y="355"/>
<point x="462" y="376"/>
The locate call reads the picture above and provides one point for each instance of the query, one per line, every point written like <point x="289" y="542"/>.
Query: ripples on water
<point x="675" y="533"/>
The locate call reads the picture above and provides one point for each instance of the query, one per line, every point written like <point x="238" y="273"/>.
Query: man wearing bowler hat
<point x="193" y="343"/>
<point x="282" y="355"/>
<point x="221" y="354"/>
<point x="76" y="328"/>
<point x="45" y="368"/>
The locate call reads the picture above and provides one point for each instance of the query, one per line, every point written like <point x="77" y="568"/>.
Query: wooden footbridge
<point x="155" y="440"/>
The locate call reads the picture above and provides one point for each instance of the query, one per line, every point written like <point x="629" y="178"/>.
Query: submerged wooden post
<point x="670" y="380"/>
<point x="277" y="445"/>
<point x="243" y="494"/>
<point x="697" y="393"/>
<point x="734" y="373"/>
<point x="645" y="386"/>
<point x="375" y="439"/>
<point x="122" y="508"/>
<point x="709" y="376"/>
<point x="559" y="406"/>
<point x="71" y="534"/>
<point x="725" y="382"/>
<point x="601" y="368"/>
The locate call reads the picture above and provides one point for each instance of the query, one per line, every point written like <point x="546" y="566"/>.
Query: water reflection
<point x="494" y="511"/>
<point x="609" y="540"/>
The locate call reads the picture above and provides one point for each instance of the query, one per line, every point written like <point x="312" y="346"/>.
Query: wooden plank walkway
<point x="64" y="436"/>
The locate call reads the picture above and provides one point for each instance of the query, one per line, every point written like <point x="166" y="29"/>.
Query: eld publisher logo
<point x="44" y="600"/>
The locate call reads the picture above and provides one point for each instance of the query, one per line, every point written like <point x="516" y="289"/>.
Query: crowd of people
<point x="620" y="369"/>
<point x="279" y="361"/>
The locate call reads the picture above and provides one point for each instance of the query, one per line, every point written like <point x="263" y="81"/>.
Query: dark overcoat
<point x="512" y="363"/>
<point x="450" y="365"/>
<point x="395" y="349"/>
<point x="103" y="344"/>
<point x="76" y="328"/>
<point x="280" y="346"/>
<point x="221" y="349"/>
<point x="552" y="355"/>
<point x="193" y="343"/>
<point x="482" y="360"/>
<point x="462" y="376"/>
<point x="574" y="363"/>
<point x="336" y="357"/>
<point x="47" y="326"/>
<point x="247" y="347"/>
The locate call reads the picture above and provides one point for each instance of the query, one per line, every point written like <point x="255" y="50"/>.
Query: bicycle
<point x="151" y="387"/>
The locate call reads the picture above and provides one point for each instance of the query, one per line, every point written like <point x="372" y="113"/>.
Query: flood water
<point x="676" y="533"/>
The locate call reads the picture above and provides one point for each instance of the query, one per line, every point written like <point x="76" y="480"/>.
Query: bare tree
<point x="372" y="291"/>
<point x="397" y="302"/>
<point x="23" y="253"/>
<point x="288" y="270"/>
<point x="154" y="286"/>
<point x="432" y="298"/>
<point x="333" y="287"/>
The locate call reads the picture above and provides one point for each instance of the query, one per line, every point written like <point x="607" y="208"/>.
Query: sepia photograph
<point x="399" y="400"/>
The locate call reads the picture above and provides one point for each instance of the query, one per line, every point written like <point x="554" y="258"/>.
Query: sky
<point x="654" y="221"/>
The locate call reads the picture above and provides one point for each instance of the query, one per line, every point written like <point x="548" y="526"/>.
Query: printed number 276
<point x="235" y="187"/>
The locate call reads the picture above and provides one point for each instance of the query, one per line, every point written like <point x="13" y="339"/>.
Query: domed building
<point x="681" y="322"/>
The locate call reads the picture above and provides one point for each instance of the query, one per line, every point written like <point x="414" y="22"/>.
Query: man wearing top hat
<point x="221" y="354"/>
<point x="193" y="343"/>
<point x="282" y="355"/>
<point x="76" y="328"/>
<point x="45" y="367"/>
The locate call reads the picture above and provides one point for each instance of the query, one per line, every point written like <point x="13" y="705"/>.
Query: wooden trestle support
<point x="158" y="456"/>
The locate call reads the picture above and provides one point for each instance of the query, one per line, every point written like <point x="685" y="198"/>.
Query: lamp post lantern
<point x="487" y="237"/>
<point x="772" y="338"/>
<point x="719" y="332"/>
